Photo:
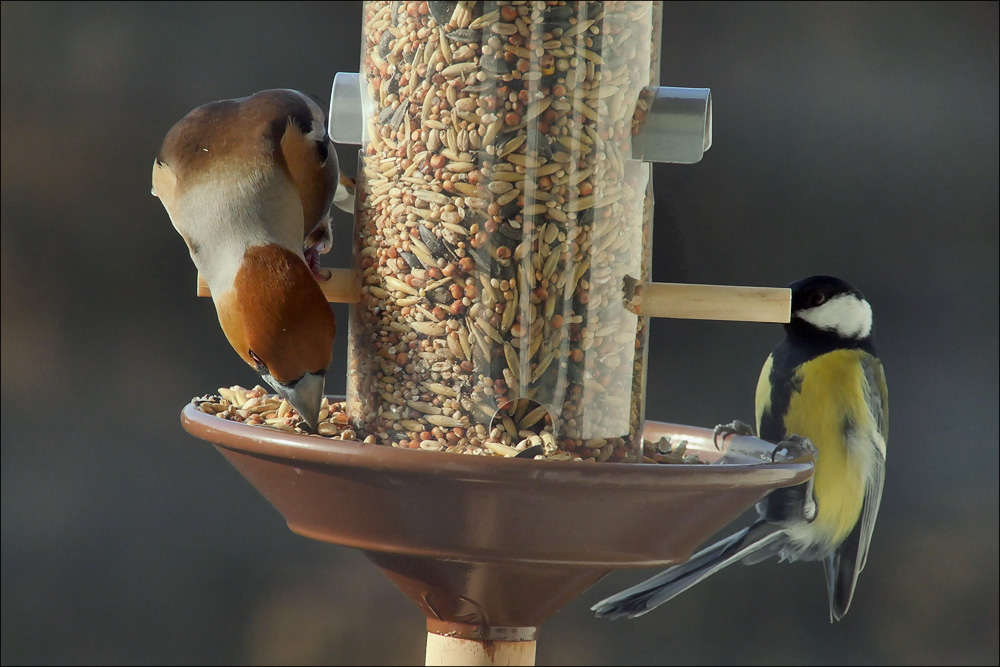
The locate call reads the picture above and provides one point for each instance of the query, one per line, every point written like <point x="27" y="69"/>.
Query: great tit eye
<point x="817" y="299"/>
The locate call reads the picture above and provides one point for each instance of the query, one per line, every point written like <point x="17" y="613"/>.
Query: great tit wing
<point x="877" y="395"/>
<point x="846" y="563"/>
<point x="877" y="398"/>
<point x="774" y="388"/>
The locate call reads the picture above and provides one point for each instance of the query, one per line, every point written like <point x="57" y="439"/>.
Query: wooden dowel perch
<point x="715" y="302"/>
<point x="676" y="300"/>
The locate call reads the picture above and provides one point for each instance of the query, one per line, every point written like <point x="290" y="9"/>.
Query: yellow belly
<point x="831" y="387"/>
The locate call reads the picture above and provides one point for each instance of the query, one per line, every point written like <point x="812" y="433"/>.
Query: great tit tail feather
<point x="653" y="592"/>
<point x="842" y="569"/>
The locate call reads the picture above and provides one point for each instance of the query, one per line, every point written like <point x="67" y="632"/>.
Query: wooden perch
<point x="715" y="302"/>
<point x="676" y="300"/>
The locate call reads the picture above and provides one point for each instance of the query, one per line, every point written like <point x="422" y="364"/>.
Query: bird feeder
<point x="500" y="305"/>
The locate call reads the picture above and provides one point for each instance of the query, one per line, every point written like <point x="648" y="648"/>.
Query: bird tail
<point x="842" y="570"/>
<point x="653" y="592"/>
<point x="344" y="197"/>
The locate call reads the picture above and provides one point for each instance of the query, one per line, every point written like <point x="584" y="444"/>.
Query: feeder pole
<point x="442" y="650"/>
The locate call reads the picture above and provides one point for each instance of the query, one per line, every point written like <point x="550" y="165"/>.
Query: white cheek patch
<point x="846" y="314"/>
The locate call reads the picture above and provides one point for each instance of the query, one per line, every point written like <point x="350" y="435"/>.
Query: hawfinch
<point x="249" y="184"/>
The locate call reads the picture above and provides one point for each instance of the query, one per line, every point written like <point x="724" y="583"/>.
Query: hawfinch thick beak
<point x="305" y="395"/>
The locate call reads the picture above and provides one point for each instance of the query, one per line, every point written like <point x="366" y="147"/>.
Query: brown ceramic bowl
<point x="491" y="541"/>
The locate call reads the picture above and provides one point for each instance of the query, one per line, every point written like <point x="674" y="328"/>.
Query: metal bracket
<point x="676" y="125"/>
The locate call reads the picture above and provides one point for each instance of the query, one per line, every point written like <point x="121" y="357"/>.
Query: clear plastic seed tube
<point x="502" y="220"/>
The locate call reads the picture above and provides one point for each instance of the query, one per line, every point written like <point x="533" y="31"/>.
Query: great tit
<point x="822" y="390"/>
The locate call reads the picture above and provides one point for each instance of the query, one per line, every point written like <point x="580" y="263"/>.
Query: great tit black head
<point x="830" y="306"/>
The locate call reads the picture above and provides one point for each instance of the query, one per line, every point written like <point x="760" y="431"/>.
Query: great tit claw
<point x="796" y="448"/>
<point x="735" y="427"/>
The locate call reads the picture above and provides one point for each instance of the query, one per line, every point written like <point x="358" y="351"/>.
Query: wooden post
<point x="443" y="650"/>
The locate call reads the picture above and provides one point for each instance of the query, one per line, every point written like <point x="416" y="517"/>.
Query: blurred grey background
<point x="854" y="139"/>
